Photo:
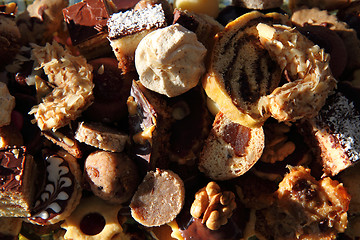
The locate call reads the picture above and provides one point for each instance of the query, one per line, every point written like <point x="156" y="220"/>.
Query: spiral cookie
<point x="62" y="191"/>
<point x="306" y="63"/>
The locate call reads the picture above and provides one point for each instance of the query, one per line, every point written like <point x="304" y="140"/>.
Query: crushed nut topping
<point x="215" y="206"/>
<point x="277" y="144"/>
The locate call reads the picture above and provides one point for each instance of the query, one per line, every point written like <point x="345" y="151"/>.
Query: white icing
<point x="63" y="196"/>
<point x="56" y="180"/>
<point x="343" y="119"/>
<point x="55" y="207"/>
<point x="135" y="20"/>
<point x="43" y="215"/>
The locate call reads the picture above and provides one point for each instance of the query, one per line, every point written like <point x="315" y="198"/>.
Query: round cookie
<point x="112" y="176"/>
<point x="61" y="192"/>
<point x="159" y="198"/>
<point x="170" y="61"/>
<point x="93" y="219"/>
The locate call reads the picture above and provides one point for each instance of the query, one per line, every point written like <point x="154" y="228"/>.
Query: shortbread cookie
<point x="230" y="149"/>
<point x="72" y="78"/>
<point x="93" y="219"/>
<point x="170" y="60"/>
<point x="159" y="198"/>
<point x="61" y="192"/>
<point x="7" y="104"/>
<point x="112" y="176"/>
<point x="241" y="70"/>
<point x="101" y="136"/>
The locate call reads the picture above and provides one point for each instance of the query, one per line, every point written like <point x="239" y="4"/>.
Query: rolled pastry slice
<point x="231" y="149"/>
<point x="61" y="192"/>
<point x="241" y="70"/>
<point x="159" y="198"/>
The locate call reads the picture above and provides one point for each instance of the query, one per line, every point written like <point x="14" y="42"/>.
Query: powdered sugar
<point x="125" y="23"/>
<point x="343" y="119"/>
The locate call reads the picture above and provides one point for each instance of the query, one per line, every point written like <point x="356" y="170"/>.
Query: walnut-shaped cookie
<point x="214" y="206"/>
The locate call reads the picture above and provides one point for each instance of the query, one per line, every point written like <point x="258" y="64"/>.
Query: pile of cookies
<point x="180" y="120"/>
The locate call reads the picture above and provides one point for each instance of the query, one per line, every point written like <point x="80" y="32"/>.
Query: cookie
<point x="112" y="176"/>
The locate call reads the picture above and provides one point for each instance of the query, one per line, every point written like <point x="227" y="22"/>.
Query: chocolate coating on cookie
<point x="59" y="187"/>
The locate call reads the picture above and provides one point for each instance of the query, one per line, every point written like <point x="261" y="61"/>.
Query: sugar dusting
<point x="125" y="23"/>
<point x="343" y="119"/>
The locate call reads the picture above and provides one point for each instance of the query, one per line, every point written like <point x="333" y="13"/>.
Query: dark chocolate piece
<point x="186" y="20"/>
<point x="86" y="19"/>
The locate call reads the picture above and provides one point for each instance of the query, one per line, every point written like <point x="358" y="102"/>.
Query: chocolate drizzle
<point x="12" y="163"/>
<point x="58" y="189"/>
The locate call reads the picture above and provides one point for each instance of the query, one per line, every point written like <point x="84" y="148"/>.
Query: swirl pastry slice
<point x="62" y="191"/>
<point x="241" y="69"/>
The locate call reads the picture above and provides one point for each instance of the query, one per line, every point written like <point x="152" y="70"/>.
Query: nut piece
<point x="215" y="206"/>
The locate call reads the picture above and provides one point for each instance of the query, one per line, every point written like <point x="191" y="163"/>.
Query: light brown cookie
<point x="159" y="198"/>
<point x="112" y="176"/>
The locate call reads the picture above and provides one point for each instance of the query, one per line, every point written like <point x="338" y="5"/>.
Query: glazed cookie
<point x="112" y="176"/>
<point x="62" y="191"/>
<point x="170" y="61"/>
<point x="93" y="219"/>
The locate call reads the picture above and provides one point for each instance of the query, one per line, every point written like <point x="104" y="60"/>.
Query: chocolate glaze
<point x="12" y="163"/>
<point x="185" y="20"/>
<point x="86" y="19"/>
<point x="145" y="117"/>
<point x="188" y="133"/>
<point x="58" y="189"/>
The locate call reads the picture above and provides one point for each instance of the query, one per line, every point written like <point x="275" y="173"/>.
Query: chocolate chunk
<point x="86" y="19"/>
